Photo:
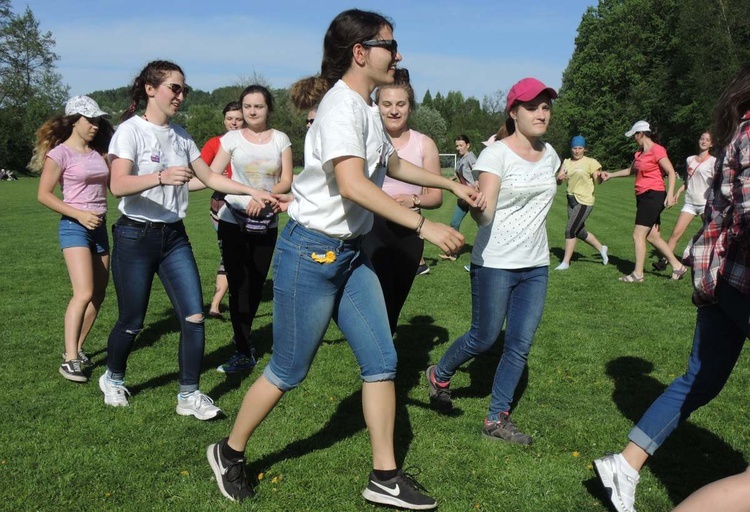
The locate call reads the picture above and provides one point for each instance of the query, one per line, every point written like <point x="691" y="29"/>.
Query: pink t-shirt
<point x="649" y="175"/>
<point x="83" y="180"/>
<point x="412" y="153"/>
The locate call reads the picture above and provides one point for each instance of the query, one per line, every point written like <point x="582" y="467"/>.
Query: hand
<point x="89" y="220"/>
<point x="605" y="175"/>
<point x="562" y="176"/>
<point x="284" y="200"/>
<point x="177" y="175"/>
<point x="444" y="237"/>
<point x="259" y="200"/>
<point x="670" y="201"/>
<point x="470" y="194"/>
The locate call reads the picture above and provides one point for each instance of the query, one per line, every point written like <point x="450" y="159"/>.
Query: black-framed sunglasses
<point x="309" y="121"/>
<point x="389" y="44"/>
<point x="177" y="89"/>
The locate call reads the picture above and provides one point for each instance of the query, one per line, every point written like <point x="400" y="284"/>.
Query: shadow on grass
<point x="691" y="457"/>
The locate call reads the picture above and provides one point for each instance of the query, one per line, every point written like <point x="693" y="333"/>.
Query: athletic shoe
<point x="660" y="265"/>
<point x="605" y="257"/>
<point x="83" y="358"/>
<point x="114" y="392"/>
<point x="423" y="269"/>
<point x="71" y="370"/>
<point x="197" y="404"/>
<point x="563" y="266"/>
<point x="467" y="268"/>
<point x="447" y="257"/>
<point x="440" y="396"/>
<point x="619" y="485"/>
<point x="239" y="362"/>
<point x="230" y="474"/>
<point x="504" y="429"/>
<point x="400" y="491"/>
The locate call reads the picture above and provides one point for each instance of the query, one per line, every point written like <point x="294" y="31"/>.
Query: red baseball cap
<point x="527" y="89"/>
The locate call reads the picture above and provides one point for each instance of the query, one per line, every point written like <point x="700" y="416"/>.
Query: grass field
<point x="603" y="352"/>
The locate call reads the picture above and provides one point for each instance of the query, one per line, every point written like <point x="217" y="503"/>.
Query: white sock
<point x="562" y="266"/>
<point x="603" y="252"/>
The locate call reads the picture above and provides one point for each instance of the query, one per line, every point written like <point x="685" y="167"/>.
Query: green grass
<point x="603" y="352"/>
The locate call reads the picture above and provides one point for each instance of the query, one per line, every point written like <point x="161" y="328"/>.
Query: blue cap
<point x="578" y="141"/>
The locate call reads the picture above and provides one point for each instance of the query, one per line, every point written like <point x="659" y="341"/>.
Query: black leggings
<point x="247" y="259"/>
<point x="395" y="252"/>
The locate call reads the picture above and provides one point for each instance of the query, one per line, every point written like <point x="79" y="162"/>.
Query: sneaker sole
<point x="190" y="412"/>
<point x="217" y="471"/>
<point x="608" y="484"/>
<point x="382" y="499"/>
<point x="439" y="407"/>
<point x="495" y="438"/>
<point x="101" y="387"/>
<point x="73" y="378"/>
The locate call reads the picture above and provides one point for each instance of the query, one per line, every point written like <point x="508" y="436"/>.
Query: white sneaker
<point x="197" y="404"/>
<point x="563" y="266"/>
<point x="603" y="252"/>
<point x="619" y="485"/>
<point x="114" y="393"/>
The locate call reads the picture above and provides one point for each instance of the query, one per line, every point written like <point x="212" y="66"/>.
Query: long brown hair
<point x="731" y="107"/>
<point x="347" y="29"/>
<point x="59" y="129"/>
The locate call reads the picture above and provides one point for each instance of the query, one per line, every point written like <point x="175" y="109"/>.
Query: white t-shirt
<point x="344" y="126"/>
<point x="699" y="179"/>
<point x="254" y="165"/>
<point x="517" y="235"/>
<point x="154" y="148"/>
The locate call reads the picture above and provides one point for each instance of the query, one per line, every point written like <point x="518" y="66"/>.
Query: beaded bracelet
<point x="159" y="176"/>
<point x="419" y="226"/>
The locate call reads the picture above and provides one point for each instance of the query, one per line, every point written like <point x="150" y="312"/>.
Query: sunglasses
<point x="310" y="121"/>
<point x="389" y="44"/>
<point x="177" y="89"/>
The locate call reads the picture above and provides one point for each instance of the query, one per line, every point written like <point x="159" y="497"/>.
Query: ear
<point x="359" y="54"/>
<point x="150" y="90"/>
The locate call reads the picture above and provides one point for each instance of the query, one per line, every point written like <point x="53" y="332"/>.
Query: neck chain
<point x="259" y="137"/>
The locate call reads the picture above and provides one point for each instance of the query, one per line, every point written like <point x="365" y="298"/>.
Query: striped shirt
<point x="721" y="249"/>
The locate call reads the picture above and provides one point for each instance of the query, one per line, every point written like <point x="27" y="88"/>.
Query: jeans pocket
<point x="125" y="233"/>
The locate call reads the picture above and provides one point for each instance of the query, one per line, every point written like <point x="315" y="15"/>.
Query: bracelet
<point x="159" y="176"/>
<point x="419" y="226"/>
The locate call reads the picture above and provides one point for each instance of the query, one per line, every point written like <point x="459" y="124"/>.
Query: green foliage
<point x="429" y="121"/>
<point x="665" y="61"/>
<point x="30" y="88"/>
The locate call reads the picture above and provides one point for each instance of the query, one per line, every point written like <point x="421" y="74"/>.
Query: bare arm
<point x="354" y="186"/>
<point x="221" y="183"/>
<point x="489" y="184"/>
<point x="287" y="172"/>
<point x="667" y="167"/>
<point x="46" y="195"/>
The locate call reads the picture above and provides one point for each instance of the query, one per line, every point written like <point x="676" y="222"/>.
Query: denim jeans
<point x="141" y="250"/>
<point x="458" y="217"/>
<point x="307" y="294"/>
<point x="720" y="333"/>
<point x="514" y="297"/>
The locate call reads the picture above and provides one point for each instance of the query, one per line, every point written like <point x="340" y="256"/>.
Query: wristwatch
<point x="415" y="200"/>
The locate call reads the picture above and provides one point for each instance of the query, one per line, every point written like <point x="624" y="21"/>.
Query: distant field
<point x="603" y="352"/>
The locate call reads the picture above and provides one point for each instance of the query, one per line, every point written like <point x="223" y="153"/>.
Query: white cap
<point x="85" y="106"/>
<point x="639" y="126"/>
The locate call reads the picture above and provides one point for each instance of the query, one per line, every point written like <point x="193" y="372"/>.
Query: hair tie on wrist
<point x="159" y="176"/>
<point x="419" y="226"/>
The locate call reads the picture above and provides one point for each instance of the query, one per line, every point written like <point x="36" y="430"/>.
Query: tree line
<point x="660" y="60"/>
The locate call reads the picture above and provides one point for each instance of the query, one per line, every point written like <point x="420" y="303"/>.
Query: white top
<point x="254" y="165"/>
<point x="517" y="235"/>
<point x="344" y="126"/>
<point x="700" y="175"/>
<point x="153" y="148"/>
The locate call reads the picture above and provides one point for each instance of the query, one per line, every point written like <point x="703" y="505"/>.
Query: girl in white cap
<point x="650" y="164"/>
<point x="69" y="151"/>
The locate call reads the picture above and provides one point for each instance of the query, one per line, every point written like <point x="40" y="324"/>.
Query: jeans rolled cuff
<point x="188" y="388"/>
<point x="380" y="377"/>
<point x="643" y="441"/>
<point x="273" y="379"/>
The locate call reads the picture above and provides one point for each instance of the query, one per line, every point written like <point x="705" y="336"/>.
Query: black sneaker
<point x="504" y="429"/>
<point x="660" y="265"/>
<point x="423" y="269"/>
<point x="71" y="370"/>
<point x="440" y="397"/>
<point x="230" y="474"/>
<point x="400" y="491"/>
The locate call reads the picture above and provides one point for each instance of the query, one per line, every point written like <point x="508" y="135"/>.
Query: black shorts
<point x="649" y="206"/>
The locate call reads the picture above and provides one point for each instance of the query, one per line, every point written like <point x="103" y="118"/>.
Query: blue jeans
<point x="308" y="294"/>
<point x="458" y="217"/>
<point x="515" y="297"/>
<point x="141" y="250"/>
<point x="720" y="332"/>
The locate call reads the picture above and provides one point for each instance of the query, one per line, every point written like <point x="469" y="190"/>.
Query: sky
<point x="478" y="48"/>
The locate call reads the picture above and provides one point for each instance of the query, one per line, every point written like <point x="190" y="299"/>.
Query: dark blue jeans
<point x="720" y="333"/>
<point x="514" y="297"/>
<point x="141" y="250"/>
